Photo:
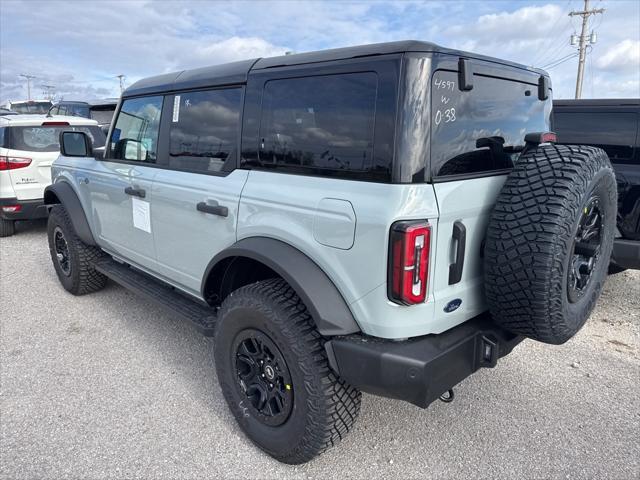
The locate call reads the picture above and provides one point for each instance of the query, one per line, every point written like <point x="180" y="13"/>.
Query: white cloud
<point x="621" y="56"/>
<point x="140" y="38"/>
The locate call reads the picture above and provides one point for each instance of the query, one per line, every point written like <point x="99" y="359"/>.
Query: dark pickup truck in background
<point x="613" y="125"/>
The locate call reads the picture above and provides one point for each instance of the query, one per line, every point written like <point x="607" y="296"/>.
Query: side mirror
<point x="75" y="144"/>
<point x="129" y="149"/>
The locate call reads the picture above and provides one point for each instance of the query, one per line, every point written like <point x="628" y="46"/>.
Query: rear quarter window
<point x="482" y="130"/>
<point x="321" y="123"/>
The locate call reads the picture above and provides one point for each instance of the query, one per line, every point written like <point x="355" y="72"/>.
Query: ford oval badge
<point x="452" y="305"/>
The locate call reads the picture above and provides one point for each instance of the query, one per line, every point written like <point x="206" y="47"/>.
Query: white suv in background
<point x="28" y="146"/>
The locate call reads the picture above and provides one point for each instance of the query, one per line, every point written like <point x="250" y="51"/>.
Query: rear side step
<point x="203" y="318"/>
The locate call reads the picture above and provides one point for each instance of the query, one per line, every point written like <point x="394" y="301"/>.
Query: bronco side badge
<point x="452" y="305"/>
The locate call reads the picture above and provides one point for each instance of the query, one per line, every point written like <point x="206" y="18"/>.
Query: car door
<point x="197" y="191"/>
<point x="477" y="136"/>
<point x="119" y="186"/>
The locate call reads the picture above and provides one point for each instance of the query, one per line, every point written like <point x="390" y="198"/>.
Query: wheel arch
<point x="262" y="257"/>
<point x="63" y="193"/>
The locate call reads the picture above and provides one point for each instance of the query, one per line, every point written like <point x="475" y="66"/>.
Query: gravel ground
<point x="108" y="385"/>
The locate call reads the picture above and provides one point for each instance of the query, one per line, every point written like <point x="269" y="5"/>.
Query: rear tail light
<point x="11" y="208"/>
<point x="11" y="163"/>
<point x="408" y="262"/>
<point x="55" y="124"/>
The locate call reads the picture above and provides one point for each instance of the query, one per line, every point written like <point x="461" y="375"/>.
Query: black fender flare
<point x="62" y="192"/>
<point x="325" y="303"/>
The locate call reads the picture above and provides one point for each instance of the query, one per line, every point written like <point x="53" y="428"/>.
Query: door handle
<point x="213" y="209"/>
<point x="460" y="235"/>
<point x="135" y="191"/>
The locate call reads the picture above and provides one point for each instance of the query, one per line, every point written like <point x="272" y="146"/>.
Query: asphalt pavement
<point x="110" y="386"/>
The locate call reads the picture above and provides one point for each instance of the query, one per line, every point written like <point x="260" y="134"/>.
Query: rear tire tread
<point x="527" y="235"/>
<point x="334" y="407"/>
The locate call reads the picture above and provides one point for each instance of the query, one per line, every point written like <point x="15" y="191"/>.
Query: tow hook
<point x="447" y="397"/>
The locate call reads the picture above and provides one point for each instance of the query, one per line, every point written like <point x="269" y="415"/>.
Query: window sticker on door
<point x="176" y="108"/>
<point x="141" y="214"/>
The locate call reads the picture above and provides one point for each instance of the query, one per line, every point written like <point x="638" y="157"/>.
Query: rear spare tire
<point x="549" y="241"/>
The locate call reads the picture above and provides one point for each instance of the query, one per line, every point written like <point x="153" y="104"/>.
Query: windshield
<point x="31" y="107"/>
<point x="46" y="139"/>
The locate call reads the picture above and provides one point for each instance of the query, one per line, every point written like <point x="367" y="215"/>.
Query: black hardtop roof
<point x="599" y="102"/>
<point x="237" y="72"/>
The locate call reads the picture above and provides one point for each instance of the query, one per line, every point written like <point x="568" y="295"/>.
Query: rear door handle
<point x="135" y="191"/>
<point x="213" y="209"/>
<point x="460" y="235"/>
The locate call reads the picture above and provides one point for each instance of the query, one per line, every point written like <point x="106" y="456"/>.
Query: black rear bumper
<point x="29" y="209"/>
<point x="419" y="370"/>
<point x="626" y="253"/>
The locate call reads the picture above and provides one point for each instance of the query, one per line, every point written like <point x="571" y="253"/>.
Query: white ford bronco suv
<point x="386" y="219"/>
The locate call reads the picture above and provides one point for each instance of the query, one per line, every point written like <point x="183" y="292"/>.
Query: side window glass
<point x="62" y="110"/>
<point x="204" y="130"/>
<point x="320" y="123"/>
<point x="614" y="132"/>
<point x="78" y="110"/>
<point x="135" y="136"/>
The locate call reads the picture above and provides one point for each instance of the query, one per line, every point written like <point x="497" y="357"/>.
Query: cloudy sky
<point x="80" y="46"/>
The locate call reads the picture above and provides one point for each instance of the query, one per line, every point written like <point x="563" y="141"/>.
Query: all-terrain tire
<point x="81" y="277"/>
<point x="530" y="249"/>
<point x="7" y="227"/>
<point x="324" y="407"/>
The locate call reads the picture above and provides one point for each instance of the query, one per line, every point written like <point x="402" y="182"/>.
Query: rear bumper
<point x="29" y="209"/>
<point x="419" y="370"/>
<point x="626" y="253"/>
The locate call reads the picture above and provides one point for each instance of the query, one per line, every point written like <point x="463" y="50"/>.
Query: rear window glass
<point x="31" y="107"/>
<point x="102" y="115"/>
<point x="321" y="123"/>
<point x="482" y="130"/>
<point x="204" y="130"/>
<point x="614" y="132"/>
<point x="77" y="110"/>
<point x="46" y="139"/>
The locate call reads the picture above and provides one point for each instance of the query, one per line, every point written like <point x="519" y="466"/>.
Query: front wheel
<point x="275" y="376"/>
<point x="72" y="259"/>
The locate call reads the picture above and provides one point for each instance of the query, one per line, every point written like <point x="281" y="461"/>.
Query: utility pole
<point x="582" y="42"/>
<point x="121" y="78"/>
<point x="29" y="78"/>
<point x="48" y="89"/>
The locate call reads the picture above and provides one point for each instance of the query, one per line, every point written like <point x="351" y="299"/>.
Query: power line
<point x="560" y="62"/>
<point x="551" y="40"/>
<point x="582" y="41"/>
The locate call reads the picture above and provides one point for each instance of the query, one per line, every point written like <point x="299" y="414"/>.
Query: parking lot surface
<point x="108" y="385"/>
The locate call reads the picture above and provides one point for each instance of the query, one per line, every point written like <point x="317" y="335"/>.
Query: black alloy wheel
<point x="586" y="249"/>
<point x="263" y="377"/>
<point x="62" y="251"/>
